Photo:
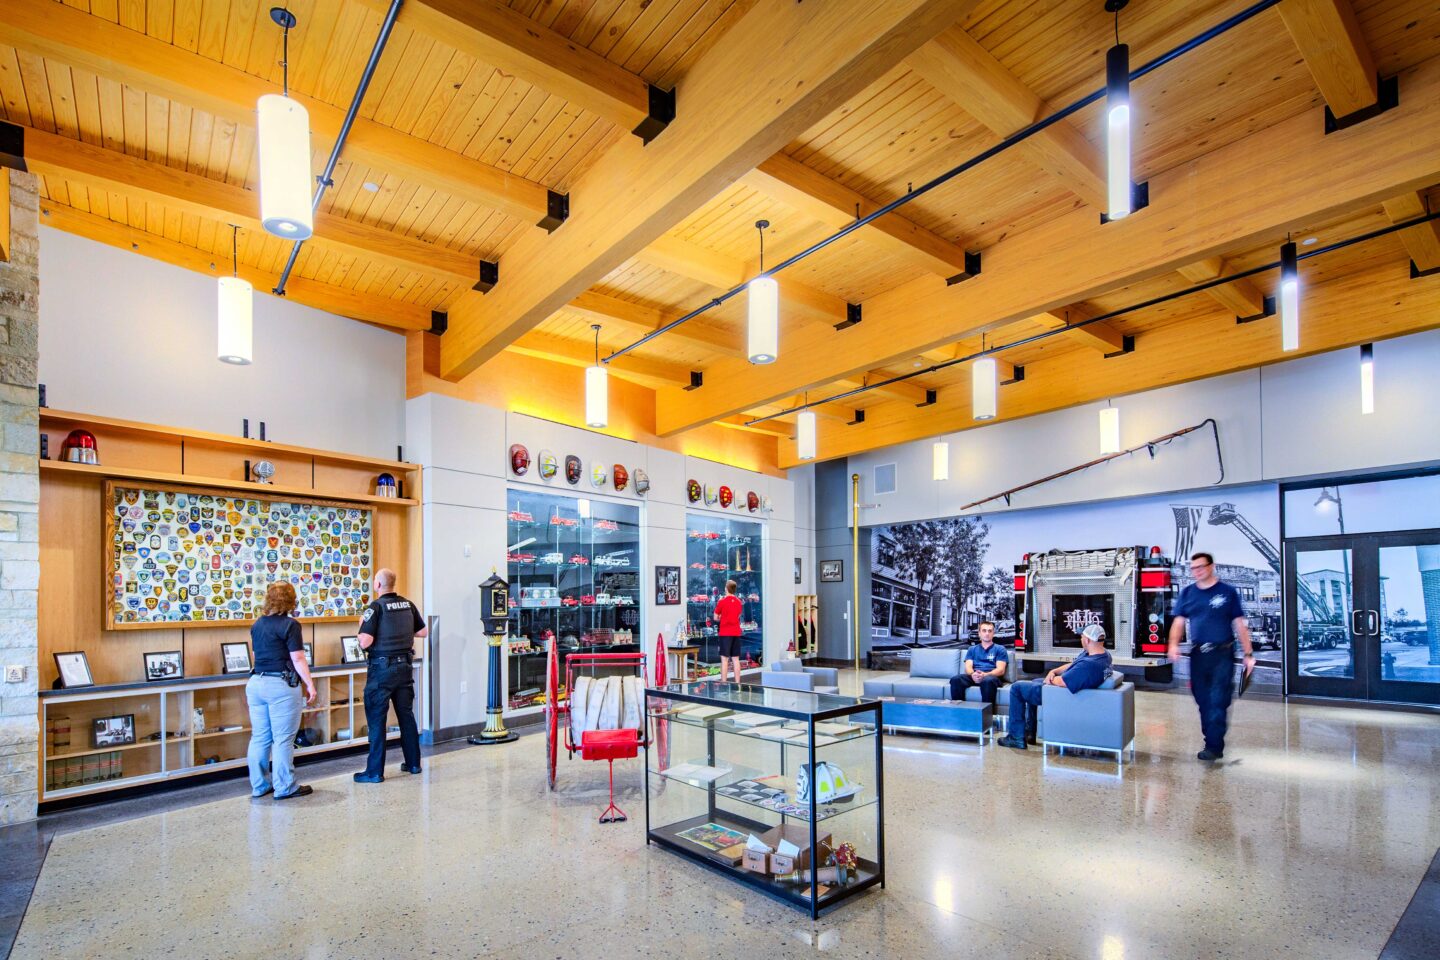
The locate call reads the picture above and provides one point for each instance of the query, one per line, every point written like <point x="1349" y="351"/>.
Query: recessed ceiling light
<point x="1306" y="243"/>
<point x="371" y="187"/>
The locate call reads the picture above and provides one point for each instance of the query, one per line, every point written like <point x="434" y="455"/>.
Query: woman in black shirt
<point x="275" y="703"/>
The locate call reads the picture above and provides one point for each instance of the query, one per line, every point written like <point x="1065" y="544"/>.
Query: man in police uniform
<point x="1209" y="610"/>
<point x="388" y="629"/>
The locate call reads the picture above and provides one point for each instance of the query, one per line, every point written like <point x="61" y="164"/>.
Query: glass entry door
<point x="1363" y="616"/>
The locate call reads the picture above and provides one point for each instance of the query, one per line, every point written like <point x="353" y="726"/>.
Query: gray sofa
<point x="792" y="674"/>
<point x="1102" y="719"/>
<point x="930" y="673"/>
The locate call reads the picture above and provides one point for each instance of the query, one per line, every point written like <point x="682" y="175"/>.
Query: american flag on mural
<point x="1187" y="521"/>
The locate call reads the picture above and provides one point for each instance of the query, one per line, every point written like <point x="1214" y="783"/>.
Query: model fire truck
<point x="1127" y="590"/>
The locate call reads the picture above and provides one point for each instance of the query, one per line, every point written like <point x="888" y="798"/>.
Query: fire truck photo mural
<point x="1117" y="563"/>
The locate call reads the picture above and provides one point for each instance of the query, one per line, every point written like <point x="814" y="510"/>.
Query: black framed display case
<point x="802" y="773"/>
<point x="574" y="572"/>
<point x="718" y="549"/>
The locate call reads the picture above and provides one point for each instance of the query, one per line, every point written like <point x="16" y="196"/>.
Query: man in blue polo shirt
<point x="985" y="666"/>
<point x="1085" y="672"/>
<point x="1210" y="611"/>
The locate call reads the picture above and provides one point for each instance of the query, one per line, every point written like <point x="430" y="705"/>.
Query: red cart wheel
<point x="552" y="713"/>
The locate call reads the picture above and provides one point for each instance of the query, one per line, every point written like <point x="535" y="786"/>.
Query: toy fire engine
<point x="1127" y="590"/>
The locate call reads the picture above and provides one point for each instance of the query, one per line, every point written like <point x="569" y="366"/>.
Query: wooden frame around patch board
<point x="107" y="521"/>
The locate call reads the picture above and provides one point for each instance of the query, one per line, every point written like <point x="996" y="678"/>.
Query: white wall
<point x="1294" y="419"/>
<point x="130" y="337"/>
<point x="803" y="482"/>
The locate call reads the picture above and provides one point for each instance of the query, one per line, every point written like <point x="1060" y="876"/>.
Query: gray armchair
<point x="792" y="674"/>
<point x="1101" y="719"/>
<point x="929" y="679"/>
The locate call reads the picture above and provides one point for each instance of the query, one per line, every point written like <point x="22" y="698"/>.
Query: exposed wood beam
<point x="321" y="296"/>
<point x="778" y="70"/>
<point x="770" y="428"/>
<point x="1375" y="304"/>
<point x="836" y="205"/>
<point x="580" y="353"/>
<point x="108" y="170"/>
<point x="107" y="49"/>
<point x="1240" y="297"/>
<point x="1246" y="192"/>
<point x="1101" y="336"/>
<point x="906" y="391"/>
<point x="1422" y="242"/>
<point x="1334" y="49"/>
<point x="636" y="320"/>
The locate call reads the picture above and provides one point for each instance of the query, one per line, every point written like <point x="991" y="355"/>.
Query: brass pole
<point x="855" y="566"/>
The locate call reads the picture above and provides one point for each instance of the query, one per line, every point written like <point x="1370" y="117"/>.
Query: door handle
<point x="1355" y="627"/>
<point x="1372" y="617"/>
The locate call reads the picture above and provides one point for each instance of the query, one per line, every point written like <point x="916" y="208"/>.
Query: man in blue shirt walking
<point x="1210" y="611"/>
<point x="985" y="666"/>
<point x="1085" y="672"/>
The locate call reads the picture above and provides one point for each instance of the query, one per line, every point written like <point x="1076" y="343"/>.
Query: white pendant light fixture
<point x="805" y="433"/>
<point x="597" y="389"/>
<point x="1109" y="430"/>
<point x="283" y="128"/>
<point x="940" y="455"/>
<point x="984" y="384"/>
<point x="1367" y="378"/>
<point x="1289" y="298"/>
<point x="1117" y="123"/>
<point x="234" y="311"/>
<point x="763" y="306"/>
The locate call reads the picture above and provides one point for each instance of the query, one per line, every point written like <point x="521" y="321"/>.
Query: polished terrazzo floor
<point x="1307" y="842"/>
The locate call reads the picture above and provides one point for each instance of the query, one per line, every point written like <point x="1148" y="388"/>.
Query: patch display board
<point x="191" y="557"/>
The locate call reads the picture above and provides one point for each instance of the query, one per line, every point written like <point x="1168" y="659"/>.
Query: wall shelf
<point x="130" y="473"/>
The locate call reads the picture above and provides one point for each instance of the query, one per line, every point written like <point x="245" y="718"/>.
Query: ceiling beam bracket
<point x="1139" y="200"/>
<point x="662" y="111"/>
<point x="439" y="322"/>
<point x="1016" y="377"/>
<point x="1388" y="98"/>
<point x="972" y="268"/>
<point x="1269" y="311"/>
<point x="930" y="397"/>
<point x="697" y="380"/>
<point x="852" y="317"/>
<point x="557" y="211"/>
<point x="12" y="146"/>
<point x="1416" y="273"/>
<point x="859" y="418"/>
<point x="489" y="276"/>
<point x="1127" y="345"/>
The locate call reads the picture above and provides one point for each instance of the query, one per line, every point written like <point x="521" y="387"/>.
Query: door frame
<point x="1357" y="686"/>
<point x="1400" y="691"/>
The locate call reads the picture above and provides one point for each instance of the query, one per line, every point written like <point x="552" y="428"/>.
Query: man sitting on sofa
<point x="1085" y="672"/>
<point x="985" y="666"/>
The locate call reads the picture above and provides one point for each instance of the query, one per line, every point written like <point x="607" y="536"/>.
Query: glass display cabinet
<point x="574" y="572"/>
<point x="778" y="789"/>
<point x="718" y="549"/>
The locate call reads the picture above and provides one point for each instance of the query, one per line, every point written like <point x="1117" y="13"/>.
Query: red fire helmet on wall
<point x="692" y="490"/>
<point x="519" y="459"/>
<point x="621" y="476"/>
<point x="727" y="496"/>
<point x="752" y="501"/>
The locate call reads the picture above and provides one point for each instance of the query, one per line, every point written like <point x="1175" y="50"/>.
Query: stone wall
<point x="19" y="501"/>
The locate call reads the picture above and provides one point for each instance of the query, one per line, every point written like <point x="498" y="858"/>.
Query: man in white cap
<point x="1085" y="672"/>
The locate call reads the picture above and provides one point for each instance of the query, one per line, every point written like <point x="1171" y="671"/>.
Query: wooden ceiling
<point x="139" y="119"/>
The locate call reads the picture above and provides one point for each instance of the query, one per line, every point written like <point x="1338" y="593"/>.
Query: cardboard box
<point x="799" y="835"/>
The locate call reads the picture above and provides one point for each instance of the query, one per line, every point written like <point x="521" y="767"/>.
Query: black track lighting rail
<point x="1144" y="304"/>
<point x="1014" y="139"/>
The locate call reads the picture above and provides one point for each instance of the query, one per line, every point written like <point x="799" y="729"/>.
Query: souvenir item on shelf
<point x="351" y="651"/>
<point x="642" y="482"/>
<point x="79" y="447"/>
<point x="168" y="665"/>
<point x="693" y="490"/>
<point x="197" y="720"/>
<point x="752" y="502"/>
<point x="264" y="471"/>
<point x="385" y="486"/>
<point x="727" y="497"/>
<point x="598" y="474"/>
<point x="519" y="459"/>
<point x="113" y="731"/>
<point x="621" y="476"/>
<point x="572" y="469"/>
<point x="547" y="465"/>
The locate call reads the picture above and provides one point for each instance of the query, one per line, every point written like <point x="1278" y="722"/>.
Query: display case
<point x="574" y="572"/>
<point x="782" y="790"/>
<point x="123" y="735"/>
<point x="718" y="549"/>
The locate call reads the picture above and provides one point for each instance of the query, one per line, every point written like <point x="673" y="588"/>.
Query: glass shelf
<point x="727" y="724"/>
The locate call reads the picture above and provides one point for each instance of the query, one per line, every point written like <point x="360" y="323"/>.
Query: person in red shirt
<point x="728" y="611"/>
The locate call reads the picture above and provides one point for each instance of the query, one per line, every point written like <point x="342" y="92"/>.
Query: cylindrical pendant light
<point x="1367" y="378"/>
<point x="983" y="387"/>
<point x="1289" y="298"/>
<point x="1117" y="124"/>
<point x="763" y="307"/>
<point x="234" y="308"/>
<point x="805" y="435"/>
<point x="1109" y="430"/>
<point x="597" y="389"/>
<point x="283" y="132"/>
<point x="940" y="456"/>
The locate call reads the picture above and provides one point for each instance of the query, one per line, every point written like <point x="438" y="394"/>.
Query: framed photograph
<point x="235" y="657"/>
<point x="797" y="569"/>
<point x="832" y="571"/>
<point x="309" y="653"/>
<point x="351" y="651"/>
<point x="169" y="665"/>
<point x="667" y="586"/>
<point x="114" y="731"/>
<point x="74" y="669"/>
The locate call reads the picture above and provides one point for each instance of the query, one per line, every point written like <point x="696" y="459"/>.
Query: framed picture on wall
<point x="235" y="657"/>
<point x="169" y="665"/>
<point x="797" y="569"/>
<point x="351" y="651"/>
<point x="74" y="669"/>
<point x="832" y="571"/>
<point x="667" y="586"/>
<point x="309" y="653"/>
